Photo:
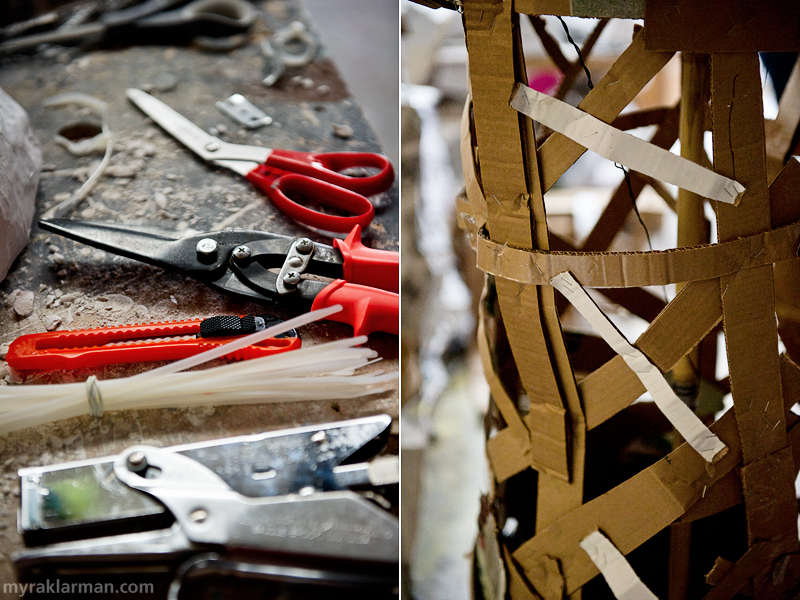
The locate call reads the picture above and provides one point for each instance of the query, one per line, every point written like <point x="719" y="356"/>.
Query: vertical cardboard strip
<point x="503" y="140"/>
<point x="748" y="297"/>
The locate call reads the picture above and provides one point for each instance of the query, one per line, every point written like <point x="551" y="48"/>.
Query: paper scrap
<point x="618" y="573"/>
<point x="696" y="434"/>
<point x="624" y="148"/>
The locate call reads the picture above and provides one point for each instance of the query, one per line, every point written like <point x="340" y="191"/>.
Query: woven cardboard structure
<point x="730" y="516"/>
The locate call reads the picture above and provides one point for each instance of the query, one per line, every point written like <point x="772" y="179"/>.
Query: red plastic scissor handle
<point x="368" y="266"/>
<point x="367" y="309"/>
<point x="327" y="166"/>
<point x="288" y="173"/>
<point x="126" y="344"/>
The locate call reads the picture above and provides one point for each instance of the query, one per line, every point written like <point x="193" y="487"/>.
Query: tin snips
<point x="296" y="506"/>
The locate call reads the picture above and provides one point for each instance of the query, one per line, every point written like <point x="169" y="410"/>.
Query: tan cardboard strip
<point x="748" y="302"/>
<point x="618" y="573"/>
<point x="750" y="564"/>
<point x="662" y="493"/>
<point x="635" y="67"/>
<point x="622" y="147"/>
<point x="709" y="446"/>
<point x="639" y="269"/>
<point x="511" y="180"/>
<point x="614" y="386"/>
<point x="625" y="9"/>
<point x="715" y="26"/>
<point x="544" y="7"/>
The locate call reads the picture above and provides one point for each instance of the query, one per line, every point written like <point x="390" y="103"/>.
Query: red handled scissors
<point x="282" y="174"/>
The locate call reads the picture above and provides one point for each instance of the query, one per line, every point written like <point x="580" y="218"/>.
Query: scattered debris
<point x="343" y="131"/>
<point x="23" y="303"/>
<point x="52" y="322"/>
<point x="116" y="303"/>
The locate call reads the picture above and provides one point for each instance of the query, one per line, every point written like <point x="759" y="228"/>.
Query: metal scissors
<point x="243" y="262"/>
<point x="206" y="19"/>
<point x="282" y="174"/>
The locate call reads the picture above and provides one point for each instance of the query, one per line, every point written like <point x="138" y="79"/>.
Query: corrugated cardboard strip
<point x="729" y="282"/>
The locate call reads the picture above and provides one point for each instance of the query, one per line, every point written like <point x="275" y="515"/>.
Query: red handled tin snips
<point x="170" y="340"/>
<point x="264" y="266"/>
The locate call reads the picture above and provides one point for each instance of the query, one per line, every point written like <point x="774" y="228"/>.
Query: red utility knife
<point x="171" y="340"/>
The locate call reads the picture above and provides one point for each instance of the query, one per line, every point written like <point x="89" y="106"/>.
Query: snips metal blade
<point x="204" y="256"/>
<point x="237" y="157"/>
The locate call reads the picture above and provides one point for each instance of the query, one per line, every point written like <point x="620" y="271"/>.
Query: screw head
<point x="213" y="146"/>
<point x="136" y="459"/>
<point x="198" y="516"/>
<point x="291" y="278"/>
<point x="319" y="437"/>
<point x="241" y="252"/>
<point x="207" y="247"/>
<point x="304" y="245"/>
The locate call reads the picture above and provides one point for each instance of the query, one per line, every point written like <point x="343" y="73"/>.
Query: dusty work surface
<point x="155" y="181"/>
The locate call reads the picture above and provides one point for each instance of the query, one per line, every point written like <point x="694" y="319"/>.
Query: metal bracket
<point x="244" y="112"/>
<point x="294" y="266"/>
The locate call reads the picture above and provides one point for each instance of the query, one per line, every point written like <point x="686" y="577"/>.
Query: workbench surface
<point x="160" y="183"/>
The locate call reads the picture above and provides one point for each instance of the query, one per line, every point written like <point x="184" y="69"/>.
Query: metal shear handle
<point x="288" y="173"/>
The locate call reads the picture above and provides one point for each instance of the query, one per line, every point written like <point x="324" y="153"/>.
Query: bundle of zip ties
<point x="322" y="372"/>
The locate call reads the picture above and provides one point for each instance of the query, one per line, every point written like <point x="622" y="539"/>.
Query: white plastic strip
<point x="697" y="435"/>
<point x="618" y="573"/>
<point x="624" y="148"/>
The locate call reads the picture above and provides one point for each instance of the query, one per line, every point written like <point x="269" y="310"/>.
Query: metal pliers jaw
<point x="281" y="501"/>
<point x="237" y="261"/>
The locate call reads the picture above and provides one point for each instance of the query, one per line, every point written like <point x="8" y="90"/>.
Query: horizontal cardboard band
<point x="639" y="269"/>
<point x="620" y="9"/>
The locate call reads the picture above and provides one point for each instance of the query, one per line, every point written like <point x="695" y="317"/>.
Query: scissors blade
<point x="205" y="145"/>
